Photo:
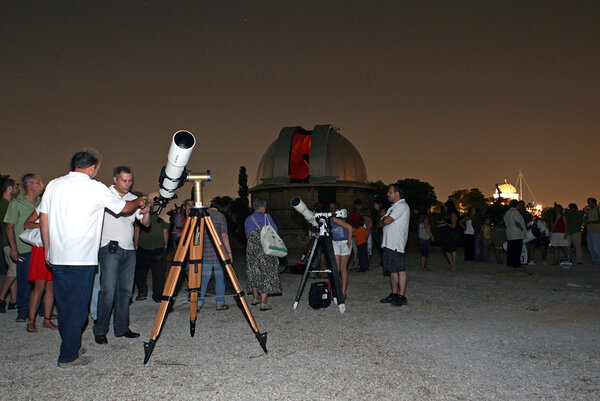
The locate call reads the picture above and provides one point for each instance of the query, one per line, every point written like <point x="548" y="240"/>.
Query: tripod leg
<point x="261" y="337"/>
<point x="335" y="274"/>
<point x="195" y="273"/>
<point x="178" y="259"/>
<point x="313" y="246"/>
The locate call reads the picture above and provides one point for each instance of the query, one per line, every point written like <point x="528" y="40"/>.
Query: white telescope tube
<point x="179" y="154"/>
<point x="301" y="208"/>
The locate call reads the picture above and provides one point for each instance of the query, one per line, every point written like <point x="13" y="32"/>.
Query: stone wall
<point x="293" y="229"/>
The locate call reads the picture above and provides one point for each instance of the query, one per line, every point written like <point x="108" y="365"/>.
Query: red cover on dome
<point x="300" y="156"/>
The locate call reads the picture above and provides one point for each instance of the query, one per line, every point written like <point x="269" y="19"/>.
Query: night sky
<point x="460" y="94"/>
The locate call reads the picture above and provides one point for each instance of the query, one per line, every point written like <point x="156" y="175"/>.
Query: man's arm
<point x="132" y="205"/>
<point x="225" y="240"/>
<point x="145" y="221"/>
<point x="428" y="228"/>
<point x="385" y="221"/>
<point x="31" y="221"/>
<point x="136" y="236"/>
<point x="45" y="233"/>
<point x="10" y="234"/>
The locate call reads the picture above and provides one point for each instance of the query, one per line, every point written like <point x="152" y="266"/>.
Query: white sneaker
<point x="531" y="263"/>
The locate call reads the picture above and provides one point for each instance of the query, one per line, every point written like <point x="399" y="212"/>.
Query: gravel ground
<point x="484" y="333"/>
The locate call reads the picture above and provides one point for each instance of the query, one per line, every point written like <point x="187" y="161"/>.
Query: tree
<point x="465" y="198"/>
<point x="380" y="189"/>
<point x="243" y="184"/>
<point x="418" y="194"/>
<point x="222" y="203"/>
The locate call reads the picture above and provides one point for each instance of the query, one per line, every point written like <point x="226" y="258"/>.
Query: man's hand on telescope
<point x="132" y="205"/>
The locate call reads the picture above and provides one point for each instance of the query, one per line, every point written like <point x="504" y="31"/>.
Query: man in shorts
<point x="395" y="234"/>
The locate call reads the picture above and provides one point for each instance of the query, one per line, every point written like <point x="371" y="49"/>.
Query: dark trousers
<point x="478" y="243"/>
<point x="363" y="257"/>
<point x="469" y="244"/>
<point x="72" y="292"/>
<point x="23" y="284"/>
<point x="513" y="252"/>
<point x="154" y="259"/>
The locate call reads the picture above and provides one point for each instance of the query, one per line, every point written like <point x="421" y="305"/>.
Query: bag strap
<point x="254" y="220"/>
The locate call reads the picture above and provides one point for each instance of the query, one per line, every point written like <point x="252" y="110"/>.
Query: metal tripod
<point x="326" y="247"/>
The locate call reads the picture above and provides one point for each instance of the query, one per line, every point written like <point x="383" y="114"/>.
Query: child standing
<point x="361" y="234"/>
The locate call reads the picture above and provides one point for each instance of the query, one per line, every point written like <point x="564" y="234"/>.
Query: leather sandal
<point x="31" y="328"/>
<point x="49" y="325"/>
<point x="223" y="307"/>
<point x="255" y="302"/>
<point x="265" y="307"/>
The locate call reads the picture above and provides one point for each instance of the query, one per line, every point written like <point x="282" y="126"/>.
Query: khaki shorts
<point x="11" y="265"/>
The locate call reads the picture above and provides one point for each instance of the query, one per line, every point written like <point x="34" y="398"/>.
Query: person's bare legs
<point x="499" y="256"/>
<point x="48" y="306"/>
<point x="342" y="262"/>
<point x="255" y="296"/>
<point x="48" y="300"/>
<point x="10" y="285"/>
<point x="424" y="263"/>
<point x="35" y="298"/>
<point x="398" y="283"/>
<point x="451" y="256"/>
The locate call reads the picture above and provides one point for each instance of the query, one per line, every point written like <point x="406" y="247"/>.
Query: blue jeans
<point x="116" y="286"/>
<point x="207" y="270"/>
<point x="23" y="284"/>
<point x="95" y="291"/>
<point x="72" y="291"/>
<point x="593" y="244"/>
<point x="479" y="255"/>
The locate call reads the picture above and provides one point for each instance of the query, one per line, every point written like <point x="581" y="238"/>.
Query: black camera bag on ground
<point x="318" y="296"/>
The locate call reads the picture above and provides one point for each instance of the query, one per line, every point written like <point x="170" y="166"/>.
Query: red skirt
<point x="38" y="269"/>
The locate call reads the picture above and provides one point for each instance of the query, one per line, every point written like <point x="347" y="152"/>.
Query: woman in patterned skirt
<point x="262" y="273"/>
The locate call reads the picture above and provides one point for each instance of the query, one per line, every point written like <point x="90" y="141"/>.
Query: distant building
<point x="318" y="166"/>
<point x="506" y="192"/>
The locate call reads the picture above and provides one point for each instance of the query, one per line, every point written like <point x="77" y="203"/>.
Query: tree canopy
<point x="465" y="198"/>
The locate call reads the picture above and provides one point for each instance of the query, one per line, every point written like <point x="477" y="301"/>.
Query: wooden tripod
<point x="191" y="243"/>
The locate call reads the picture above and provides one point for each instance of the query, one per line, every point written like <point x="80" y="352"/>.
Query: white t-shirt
<point x="395" y="234"/>
<point x="75" y="207"/>
<point x="119" y="228"/>
<point x="469" y="230"/>
<point x="543" y="228"/>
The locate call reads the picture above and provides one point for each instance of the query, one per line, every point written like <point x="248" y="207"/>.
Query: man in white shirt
<point x="71" y="215"/>
<point x="395" y="234"/>
<point x="515" y="233"/>
<point x="117" y="262"/>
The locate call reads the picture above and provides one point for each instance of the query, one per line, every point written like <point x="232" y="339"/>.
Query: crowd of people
<point x="86" y="246"/>
<point x="517" y="234"/>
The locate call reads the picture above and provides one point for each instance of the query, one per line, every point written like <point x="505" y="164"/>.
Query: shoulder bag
<point x="271" y="243"/>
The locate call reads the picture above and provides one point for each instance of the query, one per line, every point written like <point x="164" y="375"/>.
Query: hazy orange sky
<point x="460" y="94"/>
